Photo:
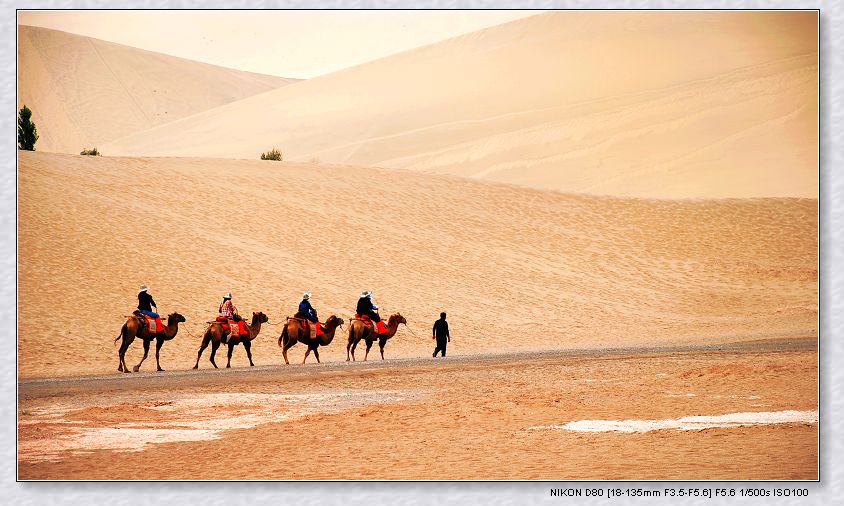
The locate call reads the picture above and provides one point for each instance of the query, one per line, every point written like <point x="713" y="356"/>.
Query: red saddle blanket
<point x="368" y="321"/>
<point x="309" y="325"/>
<point x="154" y="324"/>
<point x="235" y="329"/>
<point x="311" y="329"/>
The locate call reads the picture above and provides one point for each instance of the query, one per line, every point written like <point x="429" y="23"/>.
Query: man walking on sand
<point x="441" y="334"/>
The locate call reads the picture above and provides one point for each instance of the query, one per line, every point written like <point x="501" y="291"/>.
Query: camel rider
<point x="145" y="305"/>
<point x="367" y="308"/>
<point x="309" y="313"/>
<point x="227" y="311"/>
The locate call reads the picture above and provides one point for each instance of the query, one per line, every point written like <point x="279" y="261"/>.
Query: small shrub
<point x="274" y="154"/>
<point x="27" y="133"/>
<point x="90" y="152"/>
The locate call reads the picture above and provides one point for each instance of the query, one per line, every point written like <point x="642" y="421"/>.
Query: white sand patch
<point x="187" y="418"/>
<point x="689" y="422"/>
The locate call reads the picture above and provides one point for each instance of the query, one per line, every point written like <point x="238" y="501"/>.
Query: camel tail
<point x="122" y="331"/>
<point x="282" y="336"/>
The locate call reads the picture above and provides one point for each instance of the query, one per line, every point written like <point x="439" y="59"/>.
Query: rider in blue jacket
<point x="306" y="309"/>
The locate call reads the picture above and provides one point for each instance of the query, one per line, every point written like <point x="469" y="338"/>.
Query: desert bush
<point x="90" y="152"/>
<point x="273" y="154"/>
<point x="27" y="133"/>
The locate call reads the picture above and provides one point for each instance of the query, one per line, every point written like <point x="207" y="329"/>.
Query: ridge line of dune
<point x="553" y="107"/>
<point x="158" y="53"/>
<point x="119" y="81"/>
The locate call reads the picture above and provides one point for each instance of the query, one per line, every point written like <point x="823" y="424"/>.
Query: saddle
<point x="153" y="324"/>
<point x="315" y="329"/>
<point x="235" y="329"/>
<point x="368" y="322"/>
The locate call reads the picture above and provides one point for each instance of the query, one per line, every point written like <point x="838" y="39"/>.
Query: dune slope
<point x="649" y="104"/>
<point x="85" y="92"/>
<point x="515" y="268"/>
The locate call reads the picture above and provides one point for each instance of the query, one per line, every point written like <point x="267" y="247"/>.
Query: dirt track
<point x="431" y="419"/>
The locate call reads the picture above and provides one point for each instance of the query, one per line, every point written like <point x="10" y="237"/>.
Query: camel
<point x="359" y="330"/>
<point x="295" y="331"/>
<point x="135" y="326"/>
<point x="214" y="334"/>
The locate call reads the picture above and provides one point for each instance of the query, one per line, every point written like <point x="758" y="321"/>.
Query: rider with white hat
<point x="366" y="307"/>
<point x="146" y="303"/>
<point x="308" y="312"/>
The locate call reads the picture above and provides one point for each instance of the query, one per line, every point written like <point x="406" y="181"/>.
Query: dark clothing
<point x="306" y="309"/>
<point x="440" y="328"/>
<point x="440" y="331"/>
<point x="441" y="343"/>
<point x="365" y="308"/>
<point x="145" y="301"/>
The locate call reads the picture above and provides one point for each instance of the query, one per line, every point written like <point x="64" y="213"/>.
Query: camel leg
<point x="368" y="346"/>
<point x="122" y="350"/>
<point x="146" y="352"/>
<point x="354" y="345"/>
<point x="158" y="344"/>
<point x="214" y="346"/>
<point x="348" y="347"/>
<point x="284" y="347"/>
<point x="307" y="352"/>
<point x="316" y="354"/>
<point x="381" y="346"/>
<point x="205" y="340"/>
<point x="121" y="357"/>
<point x="231" y="350"/>
<point x="288" y="343"/>
<point x="124" y="347"/>
<point x="248" y="346"/>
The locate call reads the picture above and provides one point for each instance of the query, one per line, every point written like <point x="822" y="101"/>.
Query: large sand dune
<point x="651" y="104"/>
<point x="85" y="92"/>
<point x="516" y="268"/>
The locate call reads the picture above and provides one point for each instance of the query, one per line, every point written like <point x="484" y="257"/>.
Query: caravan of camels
<point x="230" y="329"/>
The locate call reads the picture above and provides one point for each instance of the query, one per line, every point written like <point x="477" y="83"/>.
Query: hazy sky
<point x="283" y="43"/>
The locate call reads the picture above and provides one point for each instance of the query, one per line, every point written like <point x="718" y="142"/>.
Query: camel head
<point x="397" y="318"/>
<point x="334" y="322"/>
<point x="259" y="317"/>
<point x="175" y="318"/>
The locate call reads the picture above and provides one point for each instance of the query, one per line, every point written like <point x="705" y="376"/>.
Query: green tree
<point x="27" y="133"/>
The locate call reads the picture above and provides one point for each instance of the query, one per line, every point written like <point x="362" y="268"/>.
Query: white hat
<point x="142" y="288"/>
<point x="366" y="293"/>
<point x="227" y="296"/>
<point x="306" y="295"/>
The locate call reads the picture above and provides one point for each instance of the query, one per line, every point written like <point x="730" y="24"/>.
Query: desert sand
<point x="612" y="246"/>
<point x="464" y="418"/>
<point x="647" y="104"/>
<point x="515" y="268"/>
<point x="85" y="92"/>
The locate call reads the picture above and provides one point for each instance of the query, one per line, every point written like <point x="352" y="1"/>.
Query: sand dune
<point x="648" y="104"/>
<point x="85" y="92"/>
<point x="516" y="268"/>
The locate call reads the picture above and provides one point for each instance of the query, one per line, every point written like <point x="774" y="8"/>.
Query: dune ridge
<point x="582" y="102"/>
<point x="85" y="92"/>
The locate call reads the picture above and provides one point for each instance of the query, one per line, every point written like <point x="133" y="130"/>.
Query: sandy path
<point x="433" y="419"/>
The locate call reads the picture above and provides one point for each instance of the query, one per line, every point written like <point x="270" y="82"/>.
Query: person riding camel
<point x="368" y="309"/>
<point x="309" y="313"/>
<point x="227" y="311"/>
<point x="145" y="305"/>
